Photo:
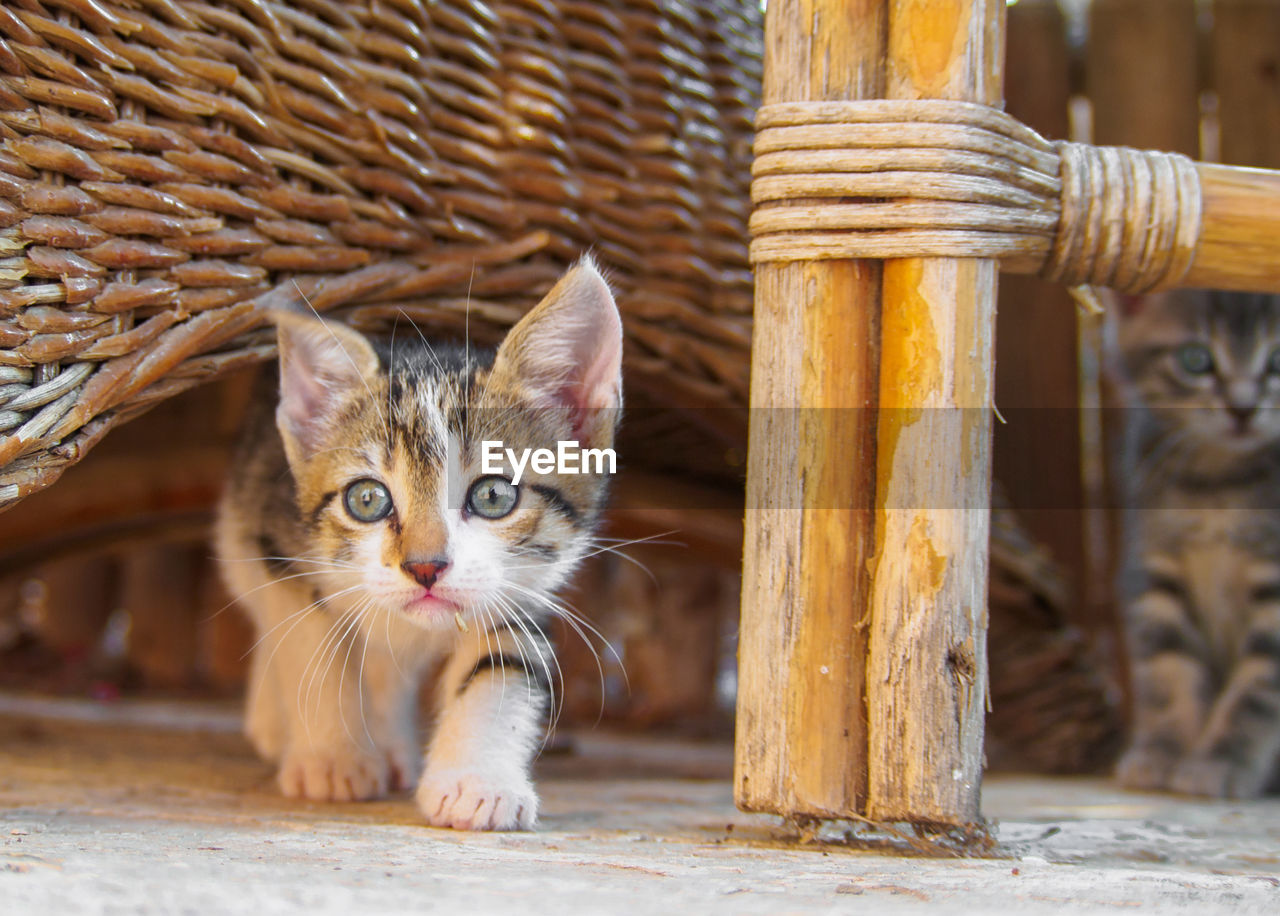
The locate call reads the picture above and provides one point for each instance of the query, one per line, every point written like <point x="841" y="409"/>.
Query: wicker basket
<point x="169" y="169"/>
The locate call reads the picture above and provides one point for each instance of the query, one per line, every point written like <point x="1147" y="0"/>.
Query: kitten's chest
<point x="1228" y="564"/>
<point x="1221" y="580"/>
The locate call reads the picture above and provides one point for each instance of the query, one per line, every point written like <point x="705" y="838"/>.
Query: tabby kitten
<point x="372" y="549"/>
<point x="1201" y="578"/>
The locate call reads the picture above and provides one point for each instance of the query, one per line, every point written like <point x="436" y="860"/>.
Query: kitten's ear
<point x="321" y="364"/>
<point x="567" y="352"/>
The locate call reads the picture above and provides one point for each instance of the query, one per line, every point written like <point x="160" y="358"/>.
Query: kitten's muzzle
<point x="425" y="574"/>
<point x="1242" y="414"/>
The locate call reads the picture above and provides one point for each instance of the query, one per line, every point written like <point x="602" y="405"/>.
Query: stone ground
<point x="160" y="808"/>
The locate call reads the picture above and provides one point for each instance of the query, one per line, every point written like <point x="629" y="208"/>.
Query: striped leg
<point x="494" y="695"/>
<point x="1236" y="755"/>
<point x="1171" y="687"/>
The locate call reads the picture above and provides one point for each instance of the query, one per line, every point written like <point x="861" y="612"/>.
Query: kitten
<point x="1201" y="580"/>
<point x="371" y="549"/>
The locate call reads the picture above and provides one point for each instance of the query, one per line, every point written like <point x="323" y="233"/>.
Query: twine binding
<point x="933" y="178"/>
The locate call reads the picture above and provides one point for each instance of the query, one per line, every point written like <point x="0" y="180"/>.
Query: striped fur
<point x="1201" y="578"/>
<point x="347" y="629"/>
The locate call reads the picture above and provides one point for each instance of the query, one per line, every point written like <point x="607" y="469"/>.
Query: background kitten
<point x="1201" y="575"/>
<point x="371" y="549"/>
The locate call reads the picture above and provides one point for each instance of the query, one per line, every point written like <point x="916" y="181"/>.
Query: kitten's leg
<point x="1236" y="755"/>
<point x="1171" y="687"/>
<point x="310" y="662"/>
<point x="264" y="721"/>
<point x="494" y="696"/>
<point x="391" y="670"/>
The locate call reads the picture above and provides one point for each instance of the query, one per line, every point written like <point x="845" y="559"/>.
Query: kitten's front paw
<point x="1144" y="769"/>
<point x="333" y="774"/>
<point x="475" y="801"/>
<point x="1216" y="778"/>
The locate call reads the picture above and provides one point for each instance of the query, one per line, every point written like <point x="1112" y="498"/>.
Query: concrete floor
<point x="163" y="808"/>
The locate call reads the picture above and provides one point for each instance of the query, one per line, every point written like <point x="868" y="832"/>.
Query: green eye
<point x="1195" y="358"/>
<point x="367" y="500"/>
<point x="492" y="497"/>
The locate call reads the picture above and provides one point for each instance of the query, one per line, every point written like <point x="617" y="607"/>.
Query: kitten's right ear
<point x="321" y="364"/>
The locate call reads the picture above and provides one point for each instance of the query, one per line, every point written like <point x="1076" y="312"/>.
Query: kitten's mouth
<point x="428" y="603"/>
<point x="1243" y="436"/>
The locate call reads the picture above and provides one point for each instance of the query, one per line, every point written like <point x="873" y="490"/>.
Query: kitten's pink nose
<point x="425" y="574"/>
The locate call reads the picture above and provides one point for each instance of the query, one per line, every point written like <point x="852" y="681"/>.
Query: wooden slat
<point x="1142" y="74"/>
<point x="1037" y="451"/>
<point x="1127" y="111"/>
<point x="1246" y="76"/>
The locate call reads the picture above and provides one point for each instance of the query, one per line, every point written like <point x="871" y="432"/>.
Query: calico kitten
<point x="1201" y="580"/>
<point x="371" y="549"/>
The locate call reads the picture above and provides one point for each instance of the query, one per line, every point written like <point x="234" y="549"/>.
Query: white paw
<point x="1145" y="769"/>
<point x="1217" y="778"/>
<point x="466" y="800"/>
<point x="333" y="774"/>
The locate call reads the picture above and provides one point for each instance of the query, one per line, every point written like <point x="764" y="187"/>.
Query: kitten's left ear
<point x="322" y="364"/>
<point x="567" y="352"/>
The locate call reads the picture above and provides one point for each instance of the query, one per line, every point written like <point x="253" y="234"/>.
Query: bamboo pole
<point x="801" y="734"/>
<point x="1240" y="234"/>
<point x="926" y="671"/>
<point x="836" y="539"/>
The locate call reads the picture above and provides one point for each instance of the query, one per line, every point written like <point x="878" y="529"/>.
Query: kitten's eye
<point x="1195" y="358"/>
<point x="1273" y="362"/>
<point x="493" y="497"/>
<point x="367" y="500"/>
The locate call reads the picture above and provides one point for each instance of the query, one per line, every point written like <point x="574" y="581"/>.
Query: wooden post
<point x="1120" y="74"/>
<point x="1143" y="75"/>
<point x="1037" y="453"/>
<point x="861" y="518"/>
<point x="159" y="589"/>
<point x="801" y="731"/>
<point x="1245" y="72"/>
<point x="1246" y="67"/>
<point x="926" y="670"/>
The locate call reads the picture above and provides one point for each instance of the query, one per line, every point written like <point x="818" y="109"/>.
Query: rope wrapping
<point x="934" y="178"/>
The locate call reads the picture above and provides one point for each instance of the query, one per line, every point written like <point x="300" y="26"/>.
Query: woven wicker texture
<point x="170" y="169"/>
